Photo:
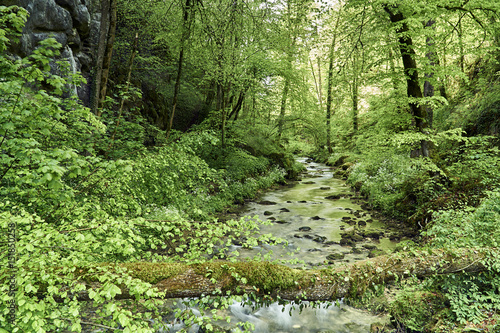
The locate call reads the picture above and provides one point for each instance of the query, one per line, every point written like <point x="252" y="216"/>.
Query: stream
<point x="323" y="223"/>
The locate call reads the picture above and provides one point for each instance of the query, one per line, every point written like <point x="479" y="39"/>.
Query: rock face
<point x="73" y="23"/>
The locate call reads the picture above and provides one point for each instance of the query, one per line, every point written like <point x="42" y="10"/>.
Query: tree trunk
<point x="101" y="49"/>
<point x="411" y="72"/>
<point x="237" y="107"/>
<point x="428" y="86"/>
<point x="284" y="97"/>
<point x="106" y="66"/>
<point x="329" y="93"/>
<point x="273" y="280"/>
<point x="184" y="36"/>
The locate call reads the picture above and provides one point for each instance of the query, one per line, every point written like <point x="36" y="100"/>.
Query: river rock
<point x="285" y="210"/>
<point x="305" y="229"/>
<point x="369" y="246"/>
<point x="272" y="218"/>
<point x="356" y="250"/>
<point x="374" y="234"/>
<point x="346" y="242"/>
<point x="335" y="256"/>
<point x="333" y="197"/>
<point x="324" y="188"/>
<point x="316" y="218"/>
<point x="266" y="203"/>
<point x="310" y="182"/>
<point x="302" y="201"/>
<point x="267" y="213"/>
<point x="281" y="222"/>
<point x="319" y="239"/>
<point x="362" y="223"/>
<point x="328" y="243"/>
<point x="357" y="238"/>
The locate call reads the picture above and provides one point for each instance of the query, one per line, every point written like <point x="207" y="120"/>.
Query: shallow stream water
<point x="311" y="216"/>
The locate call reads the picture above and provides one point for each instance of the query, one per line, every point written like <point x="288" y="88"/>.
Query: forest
<point x="116" y="198"/>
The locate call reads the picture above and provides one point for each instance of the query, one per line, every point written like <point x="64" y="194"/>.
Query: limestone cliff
<point x="73" y="23"/>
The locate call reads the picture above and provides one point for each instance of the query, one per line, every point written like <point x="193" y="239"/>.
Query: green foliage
<point x="383" y="180"/>
<point x="472" y="297"/>
<point x="414" y="308"/>
<point x="75" y="209"/>
<point x="467" y="227"/>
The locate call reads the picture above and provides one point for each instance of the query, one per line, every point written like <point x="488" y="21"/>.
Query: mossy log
<point x="278" y="281"/>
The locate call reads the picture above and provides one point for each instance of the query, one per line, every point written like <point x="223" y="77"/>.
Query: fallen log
<point x="273" y="281"/>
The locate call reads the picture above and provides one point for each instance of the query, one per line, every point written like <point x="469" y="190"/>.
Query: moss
<point x="154" y="272"/>
<point x="266" y="276"/>
<point x="416" y="310"/>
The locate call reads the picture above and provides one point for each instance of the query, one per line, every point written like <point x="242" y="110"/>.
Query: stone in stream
<point x="314" y="250"/>
<point x="369" y="246"/>
<point x="305" y="229"/>
<point x="302" y="201"/>
<point x="335" y="256"/>
<point x="356" y="250"/>
<point x="362" y="223"/>
<point x="369" y="220"/>
<point x="288" y="201"/>
<point x="284" y="210"/>
<point x="267" y="213"/>
<point x="308" y="236"/>
<point x="333" y="197"/>
<point x="297" y="236"/>
<point x="346" y="242"/>
<point x="374" y="234"/>
<point x="266" y="202"/>
<point x="310" y="182"/>
<point x="324" y="188"/>
<point x="272" y="218"/>
<point x="319" y="239"/>
<point x="316" y="218"/>
<point x="281" y="222"/>
<point x="328" y="243"/>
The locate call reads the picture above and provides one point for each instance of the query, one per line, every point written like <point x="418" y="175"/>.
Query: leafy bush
<point x="383" y="181"/>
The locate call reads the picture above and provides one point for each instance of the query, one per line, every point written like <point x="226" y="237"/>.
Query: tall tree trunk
<point x="101" y="50"/>
<point x="411" y="72"/>
<point x="355" y="91"/>
<point x="106" y="66"/>
<point x="237" y="107"/>
<point x="428" y="87"/>
<point x="184" y="36"/>
<point x="316" y="83"/>
<point x="329" y="92"/>
<point x="284" y="97"/>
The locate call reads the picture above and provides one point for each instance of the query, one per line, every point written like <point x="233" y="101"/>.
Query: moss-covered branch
<point x="263" y="278"/>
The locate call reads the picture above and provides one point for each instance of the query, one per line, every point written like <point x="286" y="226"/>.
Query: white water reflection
<point x="276" y="318"/>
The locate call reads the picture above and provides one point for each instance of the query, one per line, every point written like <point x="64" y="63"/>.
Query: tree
<point x="414" y="91"/>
